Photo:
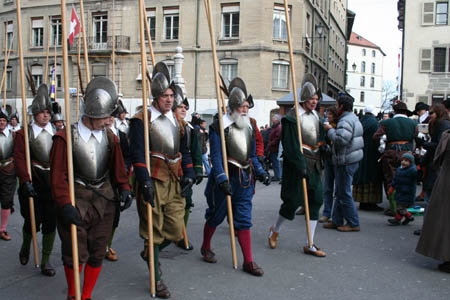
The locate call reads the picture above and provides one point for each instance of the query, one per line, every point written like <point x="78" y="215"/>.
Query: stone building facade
<point x="251" y="42"/>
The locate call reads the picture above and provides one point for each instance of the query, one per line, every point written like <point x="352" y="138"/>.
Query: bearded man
<point x="243" y="165"/>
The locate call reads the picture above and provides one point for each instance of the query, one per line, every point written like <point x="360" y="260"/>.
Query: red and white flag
<point x="75" y="26"/>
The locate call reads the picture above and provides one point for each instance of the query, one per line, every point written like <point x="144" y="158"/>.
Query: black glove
<point x="71" y="215"/>
<point x="198" y="178"/>
<point x="225" y="187"/>
<point x="186" y="183"/>
<point x="29" y="189"/>
<point x="265" y="178"/>
<point x="148" y="192"/>
<point x="125" y="200"/>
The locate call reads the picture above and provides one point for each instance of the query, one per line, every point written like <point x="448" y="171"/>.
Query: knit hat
<point x="408" y="156"/>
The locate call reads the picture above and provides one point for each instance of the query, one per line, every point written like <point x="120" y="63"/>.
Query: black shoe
<point x="394" y="222"/>
<point x="24" y="257"/>
<point x="183" y="246"/>
<point x="444" y="267"/>
<point x="407" y="220"/>
<point x="417" y="232"/>
<point x="48" y="270"/>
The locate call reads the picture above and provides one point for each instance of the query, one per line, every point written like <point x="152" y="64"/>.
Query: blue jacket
<point x="404" y="184"/>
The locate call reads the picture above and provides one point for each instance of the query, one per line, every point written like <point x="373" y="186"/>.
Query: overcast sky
<point x="376" y="21"/>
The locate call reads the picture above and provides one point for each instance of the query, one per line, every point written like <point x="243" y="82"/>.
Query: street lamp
<point x="319" y="30"/>
<point x="354" y="67"/>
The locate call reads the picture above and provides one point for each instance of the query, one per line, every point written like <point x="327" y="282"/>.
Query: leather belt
<point x="41" y="167"/>
<point x="92" y="183"/>
<point x="313" y="148"/>
<point x="165" y="157"/>
<point x="6" y="162"/>
<point x="398" y="143"/>
<point x="238" y="164"/>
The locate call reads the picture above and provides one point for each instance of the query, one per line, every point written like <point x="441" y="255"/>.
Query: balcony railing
<point x="121" y="44"/>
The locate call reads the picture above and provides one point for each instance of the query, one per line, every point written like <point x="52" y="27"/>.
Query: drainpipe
<point x="197" y="46"/>
<point x="403" y="52"/>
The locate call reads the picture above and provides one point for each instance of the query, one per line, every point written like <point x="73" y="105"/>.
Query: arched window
<point x="361" y="99"/>
<point x="363" y="67"/>
<point x="363" y="81"/>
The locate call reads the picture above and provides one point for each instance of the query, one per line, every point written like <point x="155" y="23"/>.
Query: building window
<point x="37" y="73"/>
<point x="363" y="52"/>
<point x="10" y="32"/>
<point x="373" y="68"/>
<point x="171" y="23"/>
<point x="280" y="75"/>
<point x="363" y="81"/>
<point x="361" y="97"/>
<point x="363" y="67"/>
<point x="151" y="19"/>
<point x="171" y="66"/>
<point x="439" y="59"/>
<point x="56" y="33"/>
<point x="279" y="23"/>
<point x="374" y="54"/>
<point x="229" y="70"/>
<point x="99" y="70"/>
<point x="8" y="78"/>
<point x="37" y="26"/>
<point x="100" y="28"/>
<point x="372" y="82"/>
<point x="230" y="21"/>
<point x="441" y="13"/>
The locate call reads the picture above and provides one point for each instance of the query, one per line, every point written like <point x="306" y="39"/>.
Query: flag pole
<point x="25" y="131"/>
<point x="70" y="179"/>
<point x="297" y="116"/>
<point x="220" y="109"/>
<point x="46" y="56"/>
<point x="146" y="145"/>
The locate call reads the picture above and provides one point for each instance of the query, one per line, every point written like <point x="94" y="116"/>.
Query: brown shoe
<point x="208" y="256"/>
<point x="318" y="253"/>
<point x="161" y="290"/>
<point x="111" y="255"/>
<point x="253" y="268"/>
<point x="5" y="236"/>
<point x="273" y="238"/>
<point x="330" y="225"/>
<point x="348" y="228"/>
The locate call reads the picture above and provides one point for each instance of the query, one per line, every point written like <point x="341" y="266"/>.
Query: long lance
<point x="83" y="30"/>
<point x="46" y="55"/>
<point x="73" y="228"/>
<point x="80" y="80"/>
<point x="146" y="145"/>
<point x="7" y="54"/>
<point x="26" y="140"/>
<point x="25" y="130"/>
<point x="297" y="116"/>
<point x="220" y="107"/>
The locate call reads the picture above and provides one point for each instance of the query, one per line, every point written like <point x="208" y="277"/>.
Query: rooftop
<point x="358" y="40"/>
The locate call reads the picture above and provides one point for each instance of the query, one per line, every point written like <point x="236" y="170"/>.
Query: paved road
<point x="377" y="263"/>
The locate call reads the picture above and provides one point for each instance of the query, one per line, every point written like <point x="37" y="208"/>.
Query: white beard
<point x="240" y="120"/>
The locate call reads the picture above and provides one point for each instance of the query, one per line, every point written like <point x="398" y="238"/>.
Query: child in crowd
<point x="404" y="189"/>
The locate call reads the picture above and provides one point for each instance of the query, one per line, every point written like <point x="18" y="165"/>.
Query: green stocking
<point x="392" y="203"/>
<point x="156" y="260"/>
<point x="187" y="212"/>
<point x="47" y="246"/>
<point x="112" y="237"/>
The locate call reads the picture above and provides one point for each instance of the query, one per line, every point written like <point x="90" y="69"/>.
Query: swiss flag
<point x="75" y="26"/>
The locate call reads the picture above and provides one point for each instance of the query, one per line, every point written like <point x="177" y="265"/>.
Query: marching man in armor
<point x="297" y="166"/>
<point x="172" y="172"/>
<point x="58" y="121"/>
<point x="98" y="168"/>
<point x="181" y="106"/>
<point x="40" y="135"/>
<point x="121" y="123"/>
<point x="243" y="167"/>
<point x="7" y="173"/>
<point x="14" y="124"/>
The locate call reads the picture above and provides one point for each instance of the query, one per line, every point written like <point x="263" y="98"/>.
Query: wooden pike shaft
<point x="79" y="79"/>
<point x="25" y="129"/>
<point x="86" y="55"/>
<point x="146" y="146"/>
<point x="73" y="228"/>
<point x="297" y="116"/>
<point x="46" y="55"/>
<point x="3" y="83"/>
<point x="149" y="38"/>
<point x="220" y="107"/>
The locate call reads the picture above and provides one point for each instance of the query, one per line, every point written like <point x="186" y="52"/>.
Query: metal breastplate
<point x="125" y="129"/>
<point x="6" y="146"/>
<point x="238" y="143"/>
<point x="41" y="145"/>
<point x="164" y="136"/>
<point x="310" y="132"/>
<point x="90" y="159"/>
